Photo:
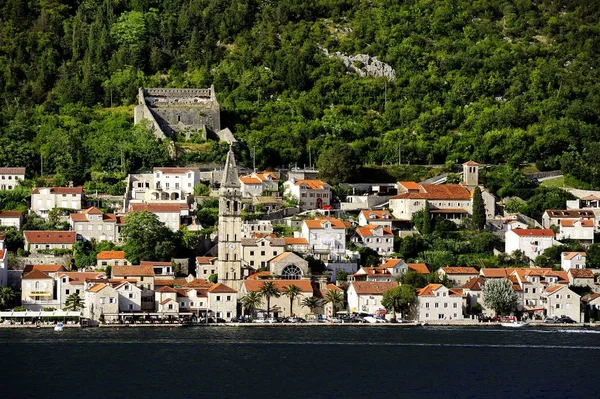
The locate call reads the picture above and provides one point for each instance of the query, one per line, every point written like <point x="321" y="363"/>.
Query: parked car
<point x="550" y="320"/>
<point x="259" y="320"/>
<point x="272" y="320"/>
<point x="566" y="319"/>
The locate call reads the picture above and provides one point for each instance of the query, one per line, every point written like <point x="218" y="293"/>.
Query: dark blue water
<point x="290" y="362"/>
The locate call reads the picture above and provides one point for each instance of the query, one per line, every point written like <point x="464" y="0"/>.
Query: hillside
<point x="496" y="81"/>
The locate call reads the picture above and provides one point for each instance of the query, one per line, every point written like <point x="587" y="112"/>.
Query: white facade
<point x="572" y="260"/>
<point x="11" y="219"/>
<point x="581" y="230"/>
<point x="44" y="199"/>
<point x="376" y="237"/>
<point x="183" y="179"/>
<point x="130" y="297"/>
<point x="312" y="194"/>
<point x="101" y="299"/>
<point x="10" y="177"/>
<point x="326" y="238"/>
<point x="561" y="301"/>
<point x="531" y="241"/>
<point x="366" y="296"/>
<point x="437" y="302"/>
<point x="169" y="214"/>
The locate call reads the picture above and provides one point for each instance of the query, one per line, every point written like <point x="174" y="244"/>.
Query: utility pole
<point x="309" y="158"/>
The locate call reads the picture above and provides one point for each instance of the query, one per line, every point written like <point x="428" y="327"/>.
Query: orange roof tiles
<point x="495" y="272"/>
<point x="471" y="163"/>
<point x="372" y="271"/>
<point x="372" y="287"/>
<point x="259" y="275"/>
<point x="37" y="275"/>
<point x="10" y="214"/>
<point x="376" y="215"/>
<point x="97" y="287"/>
<point x="256" y="285"/>
<point x="133" y="271"/>
<point x="474" y="284"/>
<point x="569" y="213"/>
<point x="221" y="288"/>
<point x="50" y="237"/>
<point x="12" y="171"/>
<point x="420" y="268"/>
<point x="158" y="208"/>
<point x="295" y="241"/>
<point x="591" y="297"/>
<point x="390" y="263"/>
<point x="311" y="184"/>
<point x="410" y="185"/>
<point x="333" y="287"/>
<point x="80" y="277"/>
<point x="154" y="263"/>
<point x="459" y="270"/>
<point x="533" y="232"/>
<point x="318" y="223"/>
<point x="166" y="289"/>
<point x="44" y="268"/>
<point x="59" y="190"/>
<point x="571" y="255"/>
<point x="552" y="289"/>
<point x="428" y="290"/>
<point x="175" y="171"/>
<point x="105" y="255"/>
<point x="205" y="260"/>
<point x="438" y="192"/>
<point x="281" y="256"/>
<point x="250" y="180"/>
<point x="571" y="222"/>
<point x="581" y="273"/>
<point x="370" y="231"/>
<point x="198" y="283"/>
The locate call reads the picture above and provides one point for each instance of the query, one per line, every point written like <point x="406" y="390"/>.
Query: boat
<point x="59" y="326"/>
<point x="514" y="324"/>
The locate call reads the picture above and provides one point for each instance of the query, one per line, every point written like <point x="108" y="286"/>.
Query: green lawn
<point x="558" y="182"/>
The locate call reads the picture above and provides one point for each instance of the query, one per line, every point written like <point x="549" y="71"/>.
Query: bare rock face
<point x="364" y="64"/>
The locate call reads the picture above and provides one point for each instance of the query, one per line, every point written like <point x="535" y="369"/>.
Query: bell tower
<point x="229" y="264"/>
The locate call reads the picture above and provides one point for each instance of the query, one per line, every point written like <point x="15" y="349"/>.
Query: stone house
<point x="10" y="177"/>
<point x="44" y="199"/>
<point x="68" y="283"/>
<point x="366" y="296"/>
<point x="312" y="194"/>
<point x="111" y="258"/>
<point x="326" y="238"/>
<point x="531" y="241"/>
<point x="380" y="273"/>
<point x="143" y="276"/>
<point x="280" y="307"/>
<point x="288" y="266"/>
<point x="130" y="297"/>
<point x="458" y="276"/>
<point x="40" y="240"/>
<point x="376" y="237"/>
<point x="581" y="278"/>
<point x="533" y="282"/>
<point x="437" y="302"/>
<point x="205" y="266"/>
<point x="257" y="184"/>
<point x="256" y="228"/>
<point x="169" y="214"/>
<point x="166" y="301"/>
<point x="178" y="183"/>
<point x="222" y="301"/>
<point x="11" y="219"/>
<point x="553" y="217"/>
<point x="576" y="229"/>
<point x="559" y="300"/>
<point x="38" y="291"/>
<point x="296" y="244"/>
<point x="101" y="299"/>
<point x="380" y="218"/>
<point x="92" y="223"/>
<point x="162" y="270"/>
<point x="257" y="252"/>
<point x="572" y="260"/>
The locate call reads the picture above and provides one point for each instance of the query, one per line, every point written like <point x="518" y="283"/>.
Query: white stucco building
<point x="531" y="241"/>
<point x="366" y="296"/>
<point x="559" y="300"/>
<point x="326" y="237"/>
<point x="10" y="177"/>
<point x="572" y="260"/>
<point x="44" y="199"/>
<point x="437" y="302"/>
<point x="312" y="194"/>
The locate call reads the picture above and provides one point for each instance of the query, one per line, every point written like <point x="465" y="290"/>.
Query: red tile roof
<point x="97" y="287"/>
<point x="50" y="237"/>
<point x="44" y="268"/>
<point x="420" y="268"/>
<point x="459" y="270"/>
<point x="569" y="213"/>
<point x="59" y="190"/>
<point x="154" y="263"/>
<point x="410" y="185"/>
<point x="428" y="290"/>
<point x="37" y="275"/>
<point x="250" y="180"/>
<point x="311" y="184"/>
<point x="12" y="171"/>
<point x="10" y="214"/>
<point x="571" y="222"/>
<point x="104" y="255"/>
<point x="581" y="273"/>
<point x="496" y="272"/>
<point x="373" y="287"/>
<point x="376" y="215"/>
<point x="132" y="271"/>
<point x="471" y="163"/>
<point x="474" y="284"/>
<point x="369" y="231"/>
<point x="533" y="232"/>
<point x="259" y="275"/>
<point x="205" y="260"/>
<point x="390" y="263"/>
<point x="80" y="277"/>
<point x="256" y="285"/>
<point x="318" y="223"/>
<point x="295" y="241"/>
<point x="333" y="287"/>
<point x="590" y="297"/>
<point x="198" y="283"/>
<point x="166" y="289"/>
<point x="438" y="192"/>
<point x="221" y="288"/>
<point x="281" y="256"/>
<point x="571" y="255"/>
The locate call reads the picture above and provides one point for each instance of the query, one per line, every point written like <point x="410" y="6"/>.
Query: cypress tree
<point x="478" y="210"/>
<point x="426" y="227"/>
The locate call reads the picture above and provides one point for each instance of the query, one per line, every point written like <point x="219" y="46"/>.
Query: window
<point x="568" y="296"/>
<point x="182" y="304"/>
<point x="533" y="290"/>
<point x="558" y="306"/>
<point x="111" y="300"/>
<point x="67" y="292"/>
<point x="445" y="304"/>
<point x="426" y="315"/>
<point x="437" y="305"/>
<point x="102" y="301"/>
<point x="426" y="305"/>
<point x="170" y="306"/>
<point x="455" y="306"/>
<point x="262" y="253"/>
<point x="130" y="296"/>
<point x="218" y="297"/>
<point x="130" y="306"/>
<point x="251" y="253"/>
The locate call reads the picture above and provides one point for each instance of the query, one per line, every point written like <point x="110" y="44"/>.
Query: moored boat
<point x="58" y="327"/>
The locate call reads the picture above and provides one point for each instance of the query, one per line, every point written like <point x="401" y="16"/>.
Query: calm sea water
<point x="290" y="362"/>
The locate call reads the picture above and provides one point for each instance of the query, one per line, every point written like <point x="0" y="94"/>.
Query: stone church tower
<point x="229" y="264"/>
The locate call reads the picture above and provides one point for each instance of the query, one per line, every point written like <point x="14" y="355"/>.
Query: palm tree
<point x="268" y="290"/>
<point x="336" y="298"/>
<point x="292" y="291"/>
<point x="312" y="302"/>
<point x="7" y="295"/>
<point x="251" y="301"/>
<point x="74" y="302"/>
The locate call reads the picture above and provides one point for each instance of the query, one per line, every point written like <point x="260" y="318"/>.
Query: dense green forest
<point x="490" y="80"/>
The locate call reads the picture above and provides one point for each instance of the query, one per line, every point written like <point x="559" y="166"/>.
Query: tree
<point x="292" y="291"/>
<point x="401" y="299"/>
<point x="499" y="295"/>
<point x="478" y="210"/>
<point x="213" y="278"/>
<point x="251" y="301"/>
<point x="7" y="296"/>
<point x="268" y="291"/>
<point x="147" y="238"/>
<point x="337" y="164"/>
<point x="414" y="279"/>
<point x="341" y="275"/>
<point x="74" y="302"/>
<point x="336" y="298"/>
<point x="312" y="302"/>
